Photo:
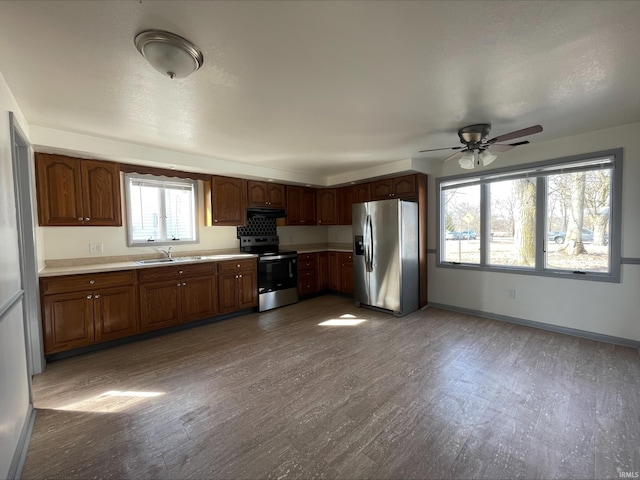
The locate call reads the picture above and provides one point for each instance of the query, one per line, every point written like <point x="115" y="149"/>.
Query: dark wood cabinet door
<point x="308" y="206"/>
<point x="327" y="206"/>
<point x="160" y="304"/>
<point x="199" y="298"/>
<point x="362" y="193"/>
<point x="115" y="313"/>
<point x="405" y="187"/>
<point x="248" y="289"/>
<point x="257" y="194"/>
<point x="276" y="195"/>
<point x="294" y="205"/>
<point x="228" y="292"/>
<point x="59" y="190"/>
<point x="228" y="201"/>
<point x="68" y="321"/>
<point x="382" y="189"/>
<point x="346" y="273"/>
<point x="101" y="193"/>
<point x="323" y="271"/>
<point x="334" y="271"/>
<point x="345" y="202"/>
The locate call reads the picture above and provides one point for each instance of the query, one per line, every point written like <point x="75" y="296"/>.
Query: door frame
<point x="23" y="179"/>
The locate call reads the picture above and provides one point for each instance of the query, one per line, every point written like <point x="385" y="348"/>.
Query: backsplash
<point x="257" y="226"/>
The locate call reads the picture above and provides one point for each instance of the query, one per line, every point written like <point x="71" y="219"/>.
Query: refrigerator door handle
<point x="369" y="244"/>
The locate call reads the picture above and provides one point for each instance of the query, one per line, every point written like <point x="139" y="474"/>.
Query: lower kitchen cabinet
<point x="307" y="273"/>
<point x="323" y="271"/>
<point x="237" y="285"/>
<point x="341" y="272"/>
<point x="186" y="293"/>
<point x="346" y="273"/>
<point x="80" y="310"/>
<point x="160" y="305"/>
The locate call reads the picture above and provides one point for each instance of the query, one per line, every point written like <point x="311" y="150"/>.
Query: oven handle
<point x="276" y="257"/>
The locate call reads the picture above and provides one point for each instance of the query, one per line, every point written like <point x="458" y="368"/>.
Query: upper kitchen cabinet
<point x="398" y="187"/>
<point x="361" y="193"/>
<point x="225" y="201"/>
<point x="301" y="205"/>
<point x="327" y="206"/>
<point x="73" y="191"/>
<point x="265" y="194"/>
<point x="345" y="201"/>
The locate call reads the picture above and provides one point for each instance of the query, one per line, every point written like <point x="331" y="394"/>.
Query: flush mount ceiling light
<point x="168" y="53"/>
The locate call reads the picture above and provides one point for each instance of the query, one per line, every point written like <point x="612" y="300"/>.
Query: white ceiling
<point x="324" y="87"/>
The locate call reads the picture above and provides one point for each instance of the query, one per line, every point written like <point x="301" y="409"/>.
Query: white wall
<point x="14" y="380"/>
<point x="605" y="308"/>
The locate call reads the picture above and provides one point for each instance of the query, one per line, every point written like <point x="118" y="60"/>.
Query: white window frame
<point x="160" y="181"/>
<point x="539" y="170"/>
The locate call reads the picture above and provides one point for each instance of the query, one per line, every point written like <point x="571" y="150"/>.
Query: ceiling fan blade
<point x="438" y="149"/>
<point x="500" y="147"/>
<point x="517" y="134"/>
<point x="455" y="156"/>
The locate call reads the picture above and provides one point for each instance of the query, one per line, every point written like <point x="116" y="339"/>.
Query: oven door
<point x="277" y="273"/>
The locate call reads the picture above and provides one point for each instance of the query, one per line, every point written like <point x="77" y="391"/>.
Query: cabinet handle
<point x="239" y="276"/>
<point x="216" y="220"/>
<point x="92" y="282"/>
<point x="238" y="265"/>
<point x="97" y="296"/>
<point x="180" y="272"/>
<point x="80" y="219"/>
<point x="178" y="284"/>
<point x="236" y="276"/>
<point x="89" y="296"/>
<point x="184" y="284"/>
<point x="87" y="219"/>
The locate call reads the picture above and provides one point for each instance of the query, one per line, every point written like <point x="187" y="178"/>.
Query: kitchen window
<point x="556" y="218"/>
<point x="160" y="210"/>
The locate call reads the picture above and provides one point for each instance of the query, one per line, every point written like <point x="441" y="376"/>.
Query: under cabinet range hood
<point x="266" y="213"/>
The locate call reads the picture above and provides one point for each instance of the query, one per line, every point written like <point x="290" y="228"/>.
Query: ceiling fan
<point x="474" y="139"/>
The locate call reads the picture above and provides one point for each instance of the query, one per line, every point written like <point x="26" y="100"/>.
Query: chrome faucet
<point x="166" y="252"/>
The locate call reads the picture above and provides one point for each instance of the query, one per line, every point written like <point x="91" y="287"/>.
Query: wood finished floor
<point x="274" y="395"/>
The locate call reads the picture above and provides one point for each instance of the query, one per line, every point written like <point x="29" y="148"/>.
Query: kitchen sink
<point x="154" y="261"/>
<point x="160" y="261"/>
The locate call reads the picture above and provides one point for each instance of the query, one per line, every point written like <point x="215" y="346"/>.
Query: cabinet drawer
<point x="235" y="265"/>
<point x="307" y="285"/>
<point x="88" y="281"/>
<point x="307" y="256"/>
<point x="155" y="274"/>
<point x="346" y="257"/>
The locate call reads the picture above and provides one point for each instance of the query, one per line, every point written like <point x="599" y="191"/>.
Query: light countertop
<point x="76" y="266"/>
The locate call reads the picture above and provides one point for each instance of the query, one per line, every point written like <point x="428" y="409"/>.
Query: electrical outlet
<point x="512" y="293"/>
<point x="96" y="247"/>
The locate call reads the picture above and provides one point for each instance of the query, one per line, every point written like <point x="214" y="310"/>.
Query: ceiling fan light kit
<point x="168" y="53"/>
<point x="474" y="139"/>
<point x="467" y="160"/>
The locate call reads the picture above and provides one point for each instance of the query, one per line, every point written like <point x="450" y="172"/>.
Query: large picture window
<point x="559" y="218"/>
<point x="161" y="210"/>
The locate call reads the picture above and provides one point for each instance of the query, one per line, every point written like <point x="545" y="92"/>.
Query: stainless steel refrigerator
<point x="385" y="261"/>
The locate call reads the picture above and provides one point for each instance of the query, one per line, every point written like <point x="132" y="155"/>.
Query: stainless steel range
<point x="277" y="271"/>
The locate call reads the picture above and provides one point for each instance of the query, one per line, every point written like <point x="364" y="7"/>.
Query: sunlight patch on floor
<point x="110" y="402"/>
<point x="345" y="320"/>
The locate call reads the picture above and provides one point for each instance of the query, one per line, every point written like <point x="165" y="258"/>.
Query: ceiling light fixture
<point x="487" y="157"/>
<point x="168" y="53"/>
<point x="467" y="160"/>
